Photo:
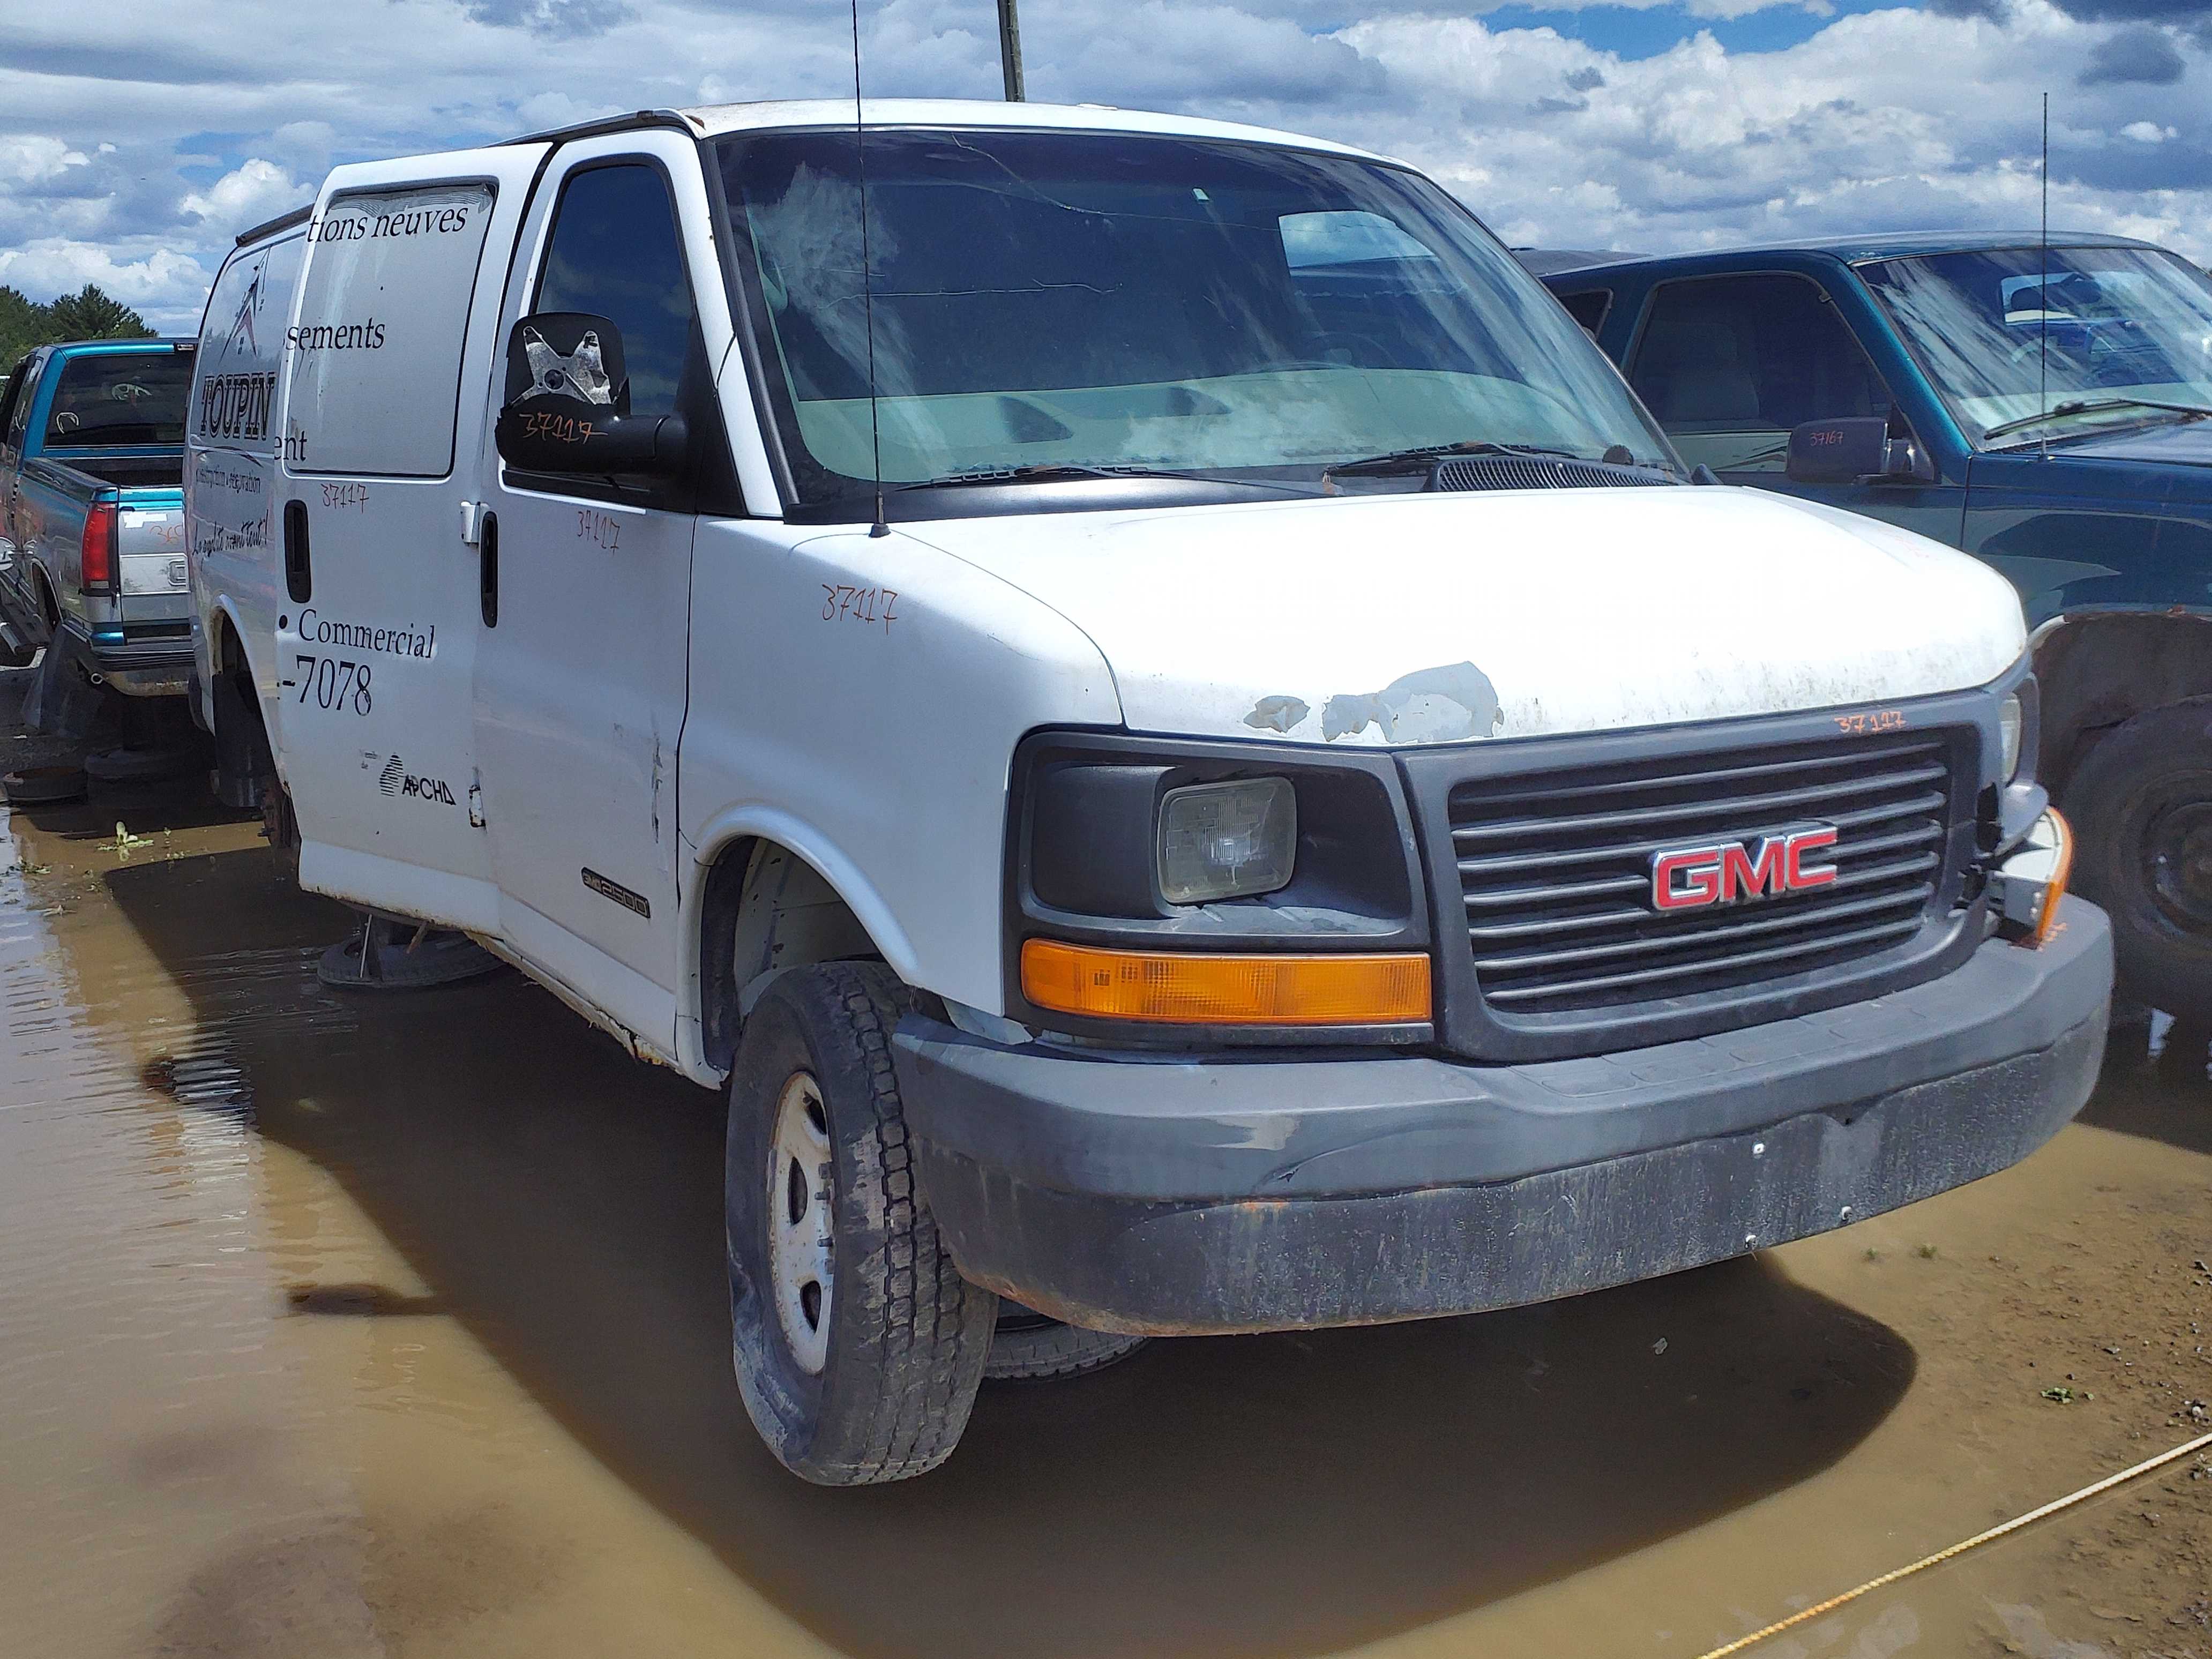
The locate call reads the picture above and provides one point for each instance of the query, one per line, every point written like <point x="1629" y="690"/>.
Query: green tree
<point x="88" y="314"/>
<point x="22" y="325"/>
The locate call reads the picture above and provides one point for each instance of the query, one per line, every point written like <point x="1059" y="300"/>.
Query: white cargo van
<point x="1154" y="712"/>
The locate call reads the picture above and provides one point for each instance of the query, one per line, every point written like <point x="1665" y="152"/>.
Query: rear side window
<point x="20" y="401"/>
<point x="1729" y="364"/>
<point x="375" y="358"/>
<point x="242" y="343"/>
<point x="111" y="399"/>
<point x="14" y="392"/>
<point x="1589" y="307"/>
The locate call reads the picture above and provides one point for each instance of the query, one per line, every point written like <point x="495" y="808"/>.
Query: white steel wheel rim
<point x="799" y="1249"/>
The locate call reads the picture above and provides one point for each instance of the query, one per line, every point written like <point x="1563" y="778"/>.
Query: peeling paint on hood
<point x="1395" y="620"/>
<point x="1436" y="705"/>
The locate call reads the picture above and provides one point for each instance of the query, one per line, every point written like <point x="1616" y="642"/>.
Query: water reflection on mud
<point x="338" y="1325"/>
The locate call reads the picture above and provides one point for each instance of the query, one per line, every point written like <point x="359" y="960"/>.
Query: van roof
<point x="717" y="119"/>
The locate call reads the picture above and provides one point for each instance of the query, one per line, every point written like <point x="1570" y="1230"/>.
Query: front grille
<point x="1539" y="472"/>
<point x="1555" y="869"/>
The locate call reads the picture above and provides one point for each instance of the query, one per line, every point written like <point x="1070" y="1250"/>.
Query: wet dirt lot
<point x="334" y="1328"/>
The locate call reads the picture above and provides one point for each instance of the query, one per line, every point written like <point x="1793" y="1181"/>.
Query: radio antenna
<point x="867" y="278"/>
<point x="2042" y="290"/>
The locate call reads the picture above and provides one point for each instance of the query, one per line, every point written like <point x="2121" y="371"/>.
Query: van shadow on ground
<point x="1268" y="1496"/>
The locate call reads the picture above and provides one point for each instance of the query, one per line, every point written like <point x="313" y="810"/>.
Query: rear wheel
<point x="1030" y="1346"/>
<point x="2141" y="804"/>
<point x="859" y="1348"/>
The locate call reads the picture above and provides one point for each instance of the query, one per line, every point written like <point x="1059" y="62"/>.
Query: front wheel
<point x="2141" y="804"/>
<point x="859" y="1348"/>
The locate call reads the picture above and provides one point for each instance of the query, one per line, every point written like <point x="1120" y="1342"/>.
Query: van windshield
<point x="107" y="400"/>
<point x="2009" y="333"/>
<point x="1047" y="300"/>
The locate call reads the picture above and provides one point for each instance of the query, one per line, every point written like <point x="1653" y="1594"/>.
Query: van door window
<point x="1729" y="364"/>
<point x="615" y="253"/>
<point x="376" y="355"/>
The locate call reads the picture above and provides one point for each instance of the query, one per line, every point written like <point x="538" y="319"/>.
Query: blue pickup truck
<point x="92" y="532"/>
<point x="2046" y="407"/>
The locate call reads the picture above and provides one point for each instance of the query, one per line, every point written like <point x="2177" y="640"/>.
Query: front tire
<point x="857" y="1347"/>
<point x="2141" y="804"/>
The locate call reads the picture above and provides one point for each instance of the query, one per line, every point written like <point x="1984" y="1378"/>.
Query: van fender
<point x="819" y="851"/>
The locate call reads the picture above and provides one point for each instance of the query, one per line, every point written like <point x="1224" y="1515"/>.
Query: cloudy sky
<point x="136" y="137"/>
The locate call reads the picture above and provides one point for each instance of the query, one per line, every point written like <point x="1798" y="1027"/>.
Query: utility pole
<point x="1010" y="50"/>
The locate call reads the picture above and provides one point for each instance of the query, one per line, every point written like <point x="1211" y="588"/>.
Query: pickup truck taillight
<point x="99" y="548"/>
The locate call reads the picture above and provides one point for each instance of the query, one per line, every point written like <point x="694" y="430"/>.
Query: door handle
<point x="488" y="569"/>
<point x="299" y="576"/>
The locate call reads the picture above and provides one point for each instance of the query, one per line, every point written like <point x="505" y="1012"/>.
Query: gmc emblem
<point x="1721" y="872"/>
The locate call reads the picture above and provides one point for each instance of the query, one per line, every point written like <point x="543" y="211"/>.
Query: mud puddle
<point x="340" y="1328"/>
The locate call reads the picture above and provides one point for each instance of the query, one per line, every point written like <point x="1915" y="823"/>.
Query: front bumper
<point x="160" y="667"/>
<point x="1215" y="1193"/>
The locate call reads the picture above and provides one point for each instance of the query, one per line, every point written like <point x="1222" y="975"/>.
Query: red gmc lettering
<point x="1693" y="878"/>
<point x="1744" y="877"/>
<point x="1700" y="870"/>
<point x="1796" y="874"/>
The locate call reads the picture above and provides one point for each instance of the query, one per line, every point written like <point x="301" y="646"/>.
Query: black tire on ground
<point x="2140" y="805"/>
<point x="901" y="1337"/>
<point x="19" y="656"/>
<point x="1032" y="1346"/>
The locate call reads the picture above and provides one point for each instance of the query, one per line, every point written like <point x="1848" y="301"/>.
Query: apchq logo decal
<point x="396" y="781"/>
<point x="1703" y="873"/>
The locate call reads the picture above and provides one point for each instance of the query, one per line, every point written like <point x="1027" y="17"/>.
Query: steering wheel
<point x="129" y="391"/>
<point x="67" y="420"/>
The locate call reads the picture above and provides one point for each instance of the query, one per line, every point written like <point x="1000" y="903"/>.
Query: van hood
<point x="1435" y="619"/>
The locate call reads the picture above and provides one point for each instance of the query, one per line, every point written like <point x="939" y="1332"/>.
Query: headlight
<point x="1221" y="841"/>
<point x="2010" y="720"/>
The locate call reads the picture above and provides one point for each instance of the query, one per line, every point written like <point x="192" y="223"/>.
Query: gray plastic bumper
<point x="1230" y="1192"/>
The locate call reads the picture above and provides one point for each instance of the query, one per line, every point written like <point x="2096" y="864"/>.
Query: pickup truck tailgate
<point x="149" y="535"/>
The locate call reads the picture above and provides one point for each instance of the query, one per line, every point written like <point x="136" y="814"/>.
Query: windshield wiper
<point x="1061" y="471"/>
<point x="1422" y="459"/>
<point x="2080" y="406"/>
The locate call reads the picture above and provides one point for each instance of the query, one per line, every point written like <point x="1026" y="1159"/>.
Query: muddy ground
<point x="332" y="1327"/>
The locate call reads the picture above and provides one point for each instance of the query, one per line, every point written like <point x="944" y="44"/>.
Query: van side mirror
<point x="567" y="408"/>
<point x="1852" y="448"/>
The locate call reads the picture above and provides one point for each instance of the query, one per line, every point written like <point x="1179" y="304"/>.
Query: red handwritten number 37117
<point x="865" y="606"/>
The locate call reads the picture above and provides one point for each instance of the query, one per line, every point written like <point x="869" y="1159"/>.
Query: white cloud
<point x="257" y="190"/>
<point x="29" y="158"/>
<point x="1893" y="119"/>
<point x="1890" y="119"/>
<point x="162" y="278"/>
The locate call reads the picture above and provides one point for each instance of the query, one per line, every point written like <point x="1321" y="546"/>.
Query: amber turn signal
<point x="2046" y="923"/>
<point x="1194" y="988"/>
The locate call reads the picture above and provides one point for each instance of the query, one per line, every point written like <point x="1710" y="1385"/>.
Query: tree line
<point x="87" y="314"/>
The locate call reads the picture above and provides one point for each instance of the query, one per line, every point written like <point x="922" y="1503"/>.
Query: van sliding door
<point x="385" y="377"/>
